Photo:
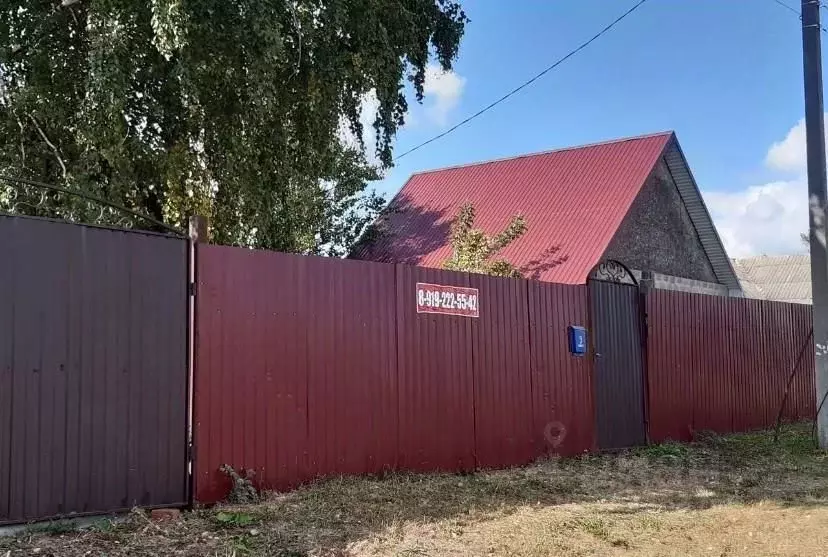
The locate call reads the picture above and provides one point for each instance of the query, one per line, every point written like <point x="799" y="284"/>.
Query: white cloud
<point x="442" y="90"/>
<point x="768" y="218"/>
<point x="788" y="155"/>
<point x="367" y="114"/>
<point x="442" y="93"/>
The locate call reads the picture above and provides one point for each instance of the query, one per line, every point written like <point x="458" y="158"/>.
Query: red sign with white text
<point x="448" y="300"/>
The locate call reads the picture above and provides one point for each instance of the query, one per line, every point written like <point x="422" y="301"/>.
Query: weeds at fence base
<point x="53" y="528"/>
<point x="735" y="495"/>
<point x="242" y="491"/>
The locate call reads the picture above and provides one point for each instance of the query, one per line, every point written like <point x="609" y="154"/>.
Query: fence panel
<point x="296" y="368"/>
<point x="307" y="367"/>
<point x="502" y="374"/>
<point x="93" y="369"/>
<point x="562" y="396"/>
<point x="721" y="364"/>
<point x="436" y="374"/>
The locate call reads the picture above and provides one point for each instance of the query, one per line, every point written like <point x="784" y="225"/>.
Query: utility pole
<point x="815" y="137"/>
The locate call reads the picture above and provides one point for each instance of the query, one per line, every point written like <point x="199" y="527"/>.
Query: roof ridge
<point x="665" y="133"/>
<point x="770" y="256"/>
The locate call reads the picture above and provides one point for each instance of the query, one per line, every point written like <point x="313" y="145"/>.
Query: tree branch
<point x="298" y="26"/>
<point x="22" y="135"/>
<point x="50" y="144"/>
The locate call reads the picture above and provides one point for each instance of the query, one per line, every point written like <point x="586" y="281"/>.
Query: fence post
<point x="644" y="286"/>
<point x="199" y="234"/>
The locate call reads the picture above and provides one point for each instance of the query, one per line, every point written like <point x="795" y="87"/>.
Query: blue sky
<point x="726" y="75"/>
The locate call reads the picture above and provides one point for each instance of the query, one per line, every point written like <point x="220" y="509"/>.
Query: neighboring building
<point x="784" y="278"/>
<point x="632" y="200"/>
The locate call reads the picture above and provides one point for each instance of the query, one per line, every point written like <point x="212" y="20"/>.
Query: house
<point x="631" y="201"/>
<point x="784" y="278"/>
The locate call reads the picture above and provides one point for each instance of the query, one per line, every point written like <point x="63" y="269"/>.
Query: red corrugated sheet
<point x="295" y="368"/>
<point x="562" y="385"/>
<point x="721" y="364"/>
<point x="436" y="384"/>
<point x="309" y="367"/>
<point x="573" y="201"/>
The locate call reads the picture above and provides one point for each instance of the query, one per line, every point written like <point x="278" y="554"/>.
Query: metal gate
<point x="93" y="369"/>
<point x="619" y="376"/>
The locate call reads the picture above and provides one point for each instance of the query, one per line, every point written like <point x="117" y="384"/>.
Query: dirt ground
<point x="720" y="496"/>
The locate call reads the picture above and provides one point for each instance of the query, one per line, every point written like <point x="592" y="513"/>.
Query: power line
<point x="794" y="10"/>
<point x="526" y="83"/>
<point x="787" y="7"/>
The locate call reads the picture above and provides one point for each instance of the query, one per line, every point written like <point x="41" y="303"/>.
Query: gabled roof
<point x="573" y="199"/>
<point x="784" y="278"/>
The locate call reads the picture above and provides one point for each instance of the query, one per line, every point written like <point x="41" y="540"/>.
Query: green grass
<point x="593" y="525"/>
<point x="668" y="450"/>
<point x="53" y="528"/>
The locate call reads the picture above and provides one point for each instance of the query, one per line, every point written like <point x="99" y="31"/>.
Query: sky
<point x="726" y="75"/>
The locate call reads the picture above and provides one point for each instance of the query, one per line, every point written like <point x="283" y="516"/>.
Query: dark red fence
<point x="308" y="367"/>
<point x="721" y="364"/>
<point x="562" y="391"/>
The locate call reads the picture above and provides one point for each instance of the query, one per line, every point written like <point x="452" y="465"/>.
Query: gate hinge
<point x="191" y="289"/>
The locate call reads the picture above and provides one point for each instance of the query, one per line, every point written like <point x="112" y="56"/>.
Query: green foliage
<point x="667" y="451"/>
<point x="104" y="525"/>
<point x="593" y="525"/>
<point x="235" y="110"/>
<point x="473" y="250"/>
<point x="241" y="545"/>
<point x="234" y="518"/>
<point x="53" y="528"/>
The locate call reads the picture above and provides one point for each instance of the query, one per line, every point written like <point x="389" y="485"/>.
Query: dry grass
<point x="737" y="495"/>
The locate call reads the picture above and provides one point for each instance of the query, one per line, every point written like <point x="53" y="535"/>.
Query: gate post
<point x="199" y="233"/>
<point x="644" y="286"/>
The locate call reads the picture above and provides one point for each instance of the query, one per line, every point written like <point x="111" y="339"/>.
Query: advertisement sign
<point x="448" y="300"/>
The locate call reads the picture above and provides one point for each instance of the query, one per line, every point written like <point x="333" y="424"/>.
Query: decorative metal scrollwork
<point x="613" y="271"/>
<point x="36" y="199"/>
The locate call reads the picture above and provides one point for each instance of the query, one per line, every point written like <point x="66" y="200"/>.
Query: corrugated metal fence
<point x="308" y="367"/>
<point x="721" y="364"/>
<point x="93" y="369"/>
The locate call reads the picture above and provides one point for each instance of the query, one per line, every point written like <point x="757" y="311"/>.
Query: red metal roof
<point x="573" y="200"/>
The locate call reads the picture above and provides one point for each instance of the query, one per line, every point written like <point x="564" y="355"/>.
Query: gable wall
<point x="657" y="233"/>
